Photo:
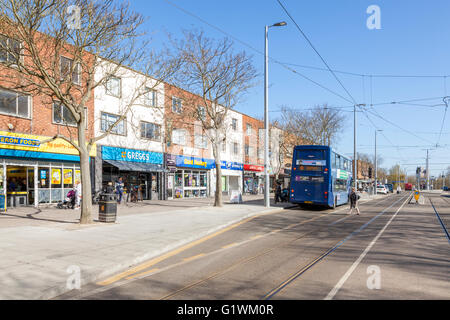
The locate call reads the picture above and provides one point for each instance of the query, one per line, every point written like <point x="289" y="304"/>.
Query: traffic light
<point x="370" y="172"/>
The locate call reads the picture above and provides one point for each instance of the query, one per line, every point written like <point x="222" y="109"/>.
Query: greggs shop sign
<point x="30" y="146"/>
<point x="132" y="155"/>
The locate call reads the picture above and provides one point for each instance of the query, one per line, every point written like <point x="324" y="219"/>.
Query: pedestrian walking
<point x="277" y="192"/>
<point x="354" y="201"/>
<point x="119" y="190"/>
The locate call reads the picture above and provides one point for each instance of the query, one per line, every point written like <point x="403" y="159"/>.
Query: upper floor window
<point x="149" y="97"/>
<point x="10" y="50"/>
<point x="234" y="124"/>
<point x="67" y="68"/>
<point x="201" y="112"/>
<point x="62" y="115"/>
<point x="235" y="148"/>
<point x="177" y="106"/>
<point x="201" y="141"/>
<point x="108" y="120"/>
<point x="15" y="104"/>
<point x="249" y="129"/>
<point x="150" y="130"/>
<point x="223" y="145"/>
<point x="113" y="87"/>
<point x="179" y="136"/>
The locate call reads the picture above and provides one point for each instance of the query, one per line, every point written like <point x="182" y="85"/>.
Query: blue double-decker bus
<point x="320" y="176"/>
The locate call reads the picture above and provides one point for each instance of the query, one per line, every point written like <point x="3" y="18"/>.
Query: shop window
<point x="203" y="180"/>
<point x="44" y="178"/>
<point x="68" y="178"/>
<point x="178" y="179"/>
<point x="188" y="179"/>
<point x="13" y="103"/>
<point x="56" y="178"/>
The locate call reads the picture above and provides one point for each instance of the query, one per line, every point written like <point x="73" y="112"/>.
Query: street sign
<point x="417" y="195"/>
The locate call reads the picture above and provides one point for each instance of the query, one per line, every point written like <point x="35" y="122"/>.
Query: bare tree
<point x="62" y="44"/>
<point x="220" y="77"/>
<point x="320" y="125"/>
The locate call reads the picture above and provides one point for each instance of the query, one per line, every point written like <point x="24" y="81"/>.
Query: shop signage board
<point x="193" y="162"/>
<point x="229" y="165"/>
<point x="251" y="167"/>
<point x="131" y="155"/>
<point x="27" y="145"/>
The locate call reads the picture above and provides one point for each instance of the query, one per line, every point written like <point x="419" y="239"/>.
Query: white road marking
<point x="341" y="282"/>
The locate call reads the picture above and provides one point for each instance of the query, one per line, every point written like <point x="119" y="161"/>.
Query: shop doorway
<point x="19" y="186"/>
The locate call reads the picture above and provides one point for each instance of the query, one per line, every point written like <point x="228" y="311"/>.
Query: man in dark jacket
<point x="354" y="201"/>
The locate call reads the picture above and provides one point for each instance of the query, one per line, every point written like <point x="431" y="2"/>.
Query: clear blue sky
<point x="413" y="41"/>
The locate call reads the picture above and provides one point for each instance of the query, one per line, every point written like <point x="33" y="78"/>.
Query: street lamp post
<point x="355" y="159"/>
<point x="375" y="180"/>
<point x="266" y="112"/>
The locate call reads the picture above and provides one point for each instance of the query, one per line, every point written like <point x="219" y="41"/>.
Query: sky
<point x="412" y="41"/>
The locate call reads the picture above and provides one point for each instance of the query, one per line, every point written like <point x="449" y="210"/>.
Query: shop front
<point x="141" y="171"/>
<point x="253" y="179"/>
<point x="231" y="176"/>
<point x="32" y="173"/>
<point x="189" y="177"/>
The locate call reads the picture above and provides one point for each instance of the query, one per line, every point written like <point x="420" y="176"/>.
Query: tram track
<point x="313" y="262"/>
<point x="441" y="222"/>
<point x="245" y="260"/>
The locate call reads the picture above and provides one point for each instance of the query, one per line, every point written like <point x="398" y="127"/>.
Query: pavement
<point x="41" y="249"/>
<point x="393" y="250"/>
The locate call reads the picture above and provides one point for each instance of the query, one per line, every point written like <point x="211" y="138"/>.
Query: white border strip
<point x="341" y="282"/>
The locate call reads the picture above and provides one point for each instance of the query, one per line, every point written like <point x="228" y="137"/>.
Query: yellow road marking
<point x="194" y="257"/>
<point x="229" y="245"/>
<point x="169" y="254"/>
<point x="142" y="274"/>
<point x="256" y="237"/>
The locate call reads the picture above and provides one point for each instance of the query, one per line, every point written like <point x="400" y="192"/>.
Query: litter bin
<point x="107" y="207"/>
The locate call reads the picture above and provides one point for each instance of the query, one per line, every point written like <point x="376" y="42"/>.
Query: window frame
<point x="204" y="144"/>
<point x="124" y="120"/>
<point x="153" y="99"/>
<point x="249" y="129"/>
<point x="158" y="138"/>
<point x="108" y="92"/>
<point x="184" y="131"/>
<point x="29" y="103"/>
<point x="201" y="114"/>
<point x="75" y="70"/>
<point x="62" y="115"/>
<point x="7" y="61"/>
<point x="236" y="148"/>
<point x="234" y="124"/>
<point x="180" y="105"/>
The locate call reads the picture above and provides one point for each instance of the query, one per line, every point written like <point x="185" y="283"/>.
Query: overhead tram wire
<point x="445" y="99"/>
<point x="257" y="51"/>
<point x="285" y="65"/>
<point x="317" y="52"/>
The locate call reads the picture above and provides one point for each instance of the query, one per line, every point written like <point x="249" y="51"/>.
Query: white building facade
<point x="129" y="113"/>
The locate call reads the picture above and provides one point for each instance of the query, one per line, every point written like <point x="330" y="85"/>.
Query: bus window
<point x="340" y="185"/>
<point x="333" y="160"/>
<point x="311" y="154"/>
<point x="338" y="162"/>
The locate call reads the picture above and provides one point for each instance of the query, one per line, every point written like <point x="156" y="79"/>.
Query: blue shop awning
<point x="136" y="166"/>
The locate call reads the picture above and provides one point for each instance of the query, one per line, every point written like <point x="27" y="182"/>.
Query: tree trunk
<point x="86" y="203"/>
<point x="218" y="202"/>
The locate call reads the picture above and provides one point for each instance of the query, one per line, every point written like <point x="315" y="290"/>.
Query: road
<point x="393" y="250"/>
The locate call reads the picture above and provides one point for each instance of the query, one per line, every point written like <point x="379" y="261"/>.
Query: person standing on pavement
<point x="119" y="190"/>
<point x="277" y="192"/>
<point x="353" y="201"/>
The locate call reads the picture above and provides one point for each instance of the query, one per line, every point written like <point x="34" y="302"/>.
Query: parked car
<point x="382" y="189"/>
<point x="445" y="188"/>
<point x="390" y="187"/>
